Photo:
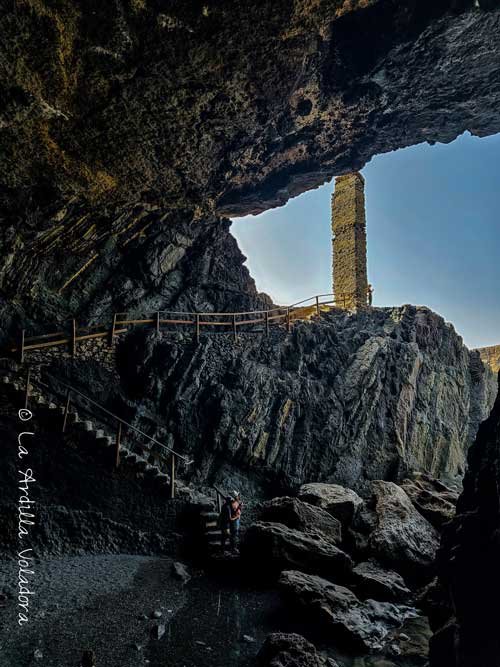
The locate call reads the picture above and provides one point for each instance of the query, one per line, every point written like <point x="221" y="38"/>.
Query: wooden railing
<point x="158" y="454"/>
<point x="230" y="322"/>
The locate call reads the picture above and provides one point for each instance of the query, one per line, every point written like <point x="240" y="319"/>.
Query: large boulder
<point x="274" y="547"/>
<point x="300" y="515"/>
<point x="339" y="615"/>
<point x="434" y="500"/>
<point x="403" y="539"/>
<point x="338" y="501"/>
<point x="291" y="650"/>
<point x="374" y="581"/>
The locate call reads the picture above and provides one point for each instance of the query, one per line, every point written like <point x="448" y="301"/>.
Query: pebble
<point x="38" y="655"/>
<point x="248" y="638"/>
<point x="157" y="614"/>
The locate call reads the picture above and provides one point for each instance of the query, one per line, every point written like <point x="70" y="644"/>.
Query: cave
<point x="131" y="135"/>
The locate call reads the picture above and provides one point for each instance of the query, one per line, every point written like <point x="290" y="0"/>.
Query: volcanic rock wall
<point x="346" y="399"/>
<point x="117" y="115"/>
<point x="469" y="560"/>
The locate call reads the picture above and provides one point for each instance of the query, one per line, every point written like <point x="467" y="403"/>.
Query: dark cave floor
<point x="106" y="603"/>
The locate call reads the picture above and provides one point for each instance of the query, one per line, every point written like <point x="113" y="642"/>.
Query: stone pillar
<point x="350" y="282"/>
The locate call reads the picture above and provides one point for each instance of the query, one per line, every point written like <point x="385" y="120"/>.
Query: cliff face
<point x="469" y="560"/>
<point x="344" y="399"/>
<point x="110" y="112"/>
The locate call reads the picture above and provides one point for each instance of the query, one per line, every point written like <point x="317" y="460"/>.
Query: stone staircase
<point x="89" y="430"/>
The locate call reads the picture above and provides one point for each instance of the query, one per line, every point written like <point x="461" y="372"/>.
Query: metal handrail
<point x="112" y="415"/>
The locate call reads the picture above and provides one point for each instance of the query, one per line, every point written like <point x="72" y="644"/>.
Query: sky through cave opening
<point x="433" y="228"/>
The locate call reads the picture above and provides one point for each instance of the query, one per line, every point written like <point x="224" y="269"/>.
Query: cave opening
<point x="432" y="234"/>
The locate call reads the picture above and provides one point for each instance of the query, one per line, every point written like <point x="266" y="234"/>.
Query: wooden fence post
<point x="317" y="306"/>
<point x="73" y="338"/>
<point x="112" y="332"/>
<point x="21" y="349"/>
<point x="235" y="335"/>
<point x="158" y="323"/>
<point x="118" y="444"/>
<point x="66" y="411"/>
<point x="26" y="397"/>
<point x="267" y="322"/>
<point x="172" y="476"/>
<point x="197" y="327"/>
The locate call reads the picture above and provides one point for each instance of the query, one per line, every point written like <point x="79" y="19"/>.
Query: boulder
<point x="291" y="650"/>
<point x="300" y="515"/>
<point x="373" y="581"/>
<point x="403" y="539"/>
<point x="339" y="615"/>
<point x="274" y="547"/>
<point x="180" y="572"/>
<point x="338" y="501"/>
<point x="434" y="500"/>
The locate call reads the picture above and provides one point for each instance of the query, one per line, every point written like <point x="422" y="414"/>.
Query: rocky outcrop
<point x="402" y="538"/>
<point x="469" y="558"/>
<point x="373" y="581"/>
<point x="205" y="110"/>
<point x="291" y="650"/>
<point x="338" y="501"/>
<point x="338" y="614"/>
<point x="271" y="547"/>
<point x="299" y="515"/>
<point x="434" y="500"/>
<point x="343" y="399"/>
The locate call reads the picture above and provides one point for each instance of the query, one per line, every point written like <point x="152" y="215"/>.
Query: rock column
<point x="350" y="282"/>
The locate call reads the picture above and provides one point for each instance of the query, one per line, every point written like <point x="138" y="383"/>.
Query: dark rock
<point x="253" y="404"/>
<point x="270" y="547"/>
<point x="403" y="539"/>
<point x="88" y="659"/>
<point x="373" y="581"/>
<point x="432" y="498"/>
<point x="338" y="501"/>
<point x="469" y="558"/>
<point x="181" y="572"/>
<point x="291" y="650"/>
<point x="299" y="515"/>
<point x="74" y="155"/>
<point x="156" y="614"/>
<point x="339" y="614"/>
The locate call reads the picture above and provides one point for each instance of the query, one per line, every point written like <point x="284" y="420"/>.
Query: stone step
<point x="208" y="515"/>
<point x="98" y="433"/>
<point x="210" y="524"/>
<point x="212" y="534"/>
<point x="105" y="440"/>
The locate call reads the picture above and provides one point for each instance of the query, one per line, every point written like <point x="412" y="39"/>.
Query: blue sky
<point x="433" y="228"/>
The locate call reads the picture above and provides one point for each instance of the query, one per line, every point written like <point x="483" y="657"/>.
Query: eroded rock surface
<point x="291" y="650"/>
<point x="469" y="558"/>
<point x="200" y="111"/>
<point x="402" y="539"/>
<point x="271" y="547"/>
<point x="374" y="581"/>
<point x="299" y="515"/>
<point x="337" y="500"/>
<point x="432" y="498"/>
<point x="339" y="614"/>
<point x="343" y="399"/>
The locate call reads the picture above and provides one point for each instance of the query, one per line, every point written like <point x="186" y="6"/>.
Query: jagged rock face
<point x="210" y="109"/>
<point x="345" y="399"/>
<point x="142" y="259"/>
<point x="469" y="560"/>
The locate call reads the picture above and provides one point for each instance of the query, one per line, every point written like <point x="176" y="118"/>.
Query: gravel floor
<point x="90" y="602"/>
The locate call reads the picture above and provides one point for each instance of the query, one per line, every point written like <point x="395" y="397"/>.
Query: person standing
<point x="225" y="521"/>
<point x="234" y="525"/>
